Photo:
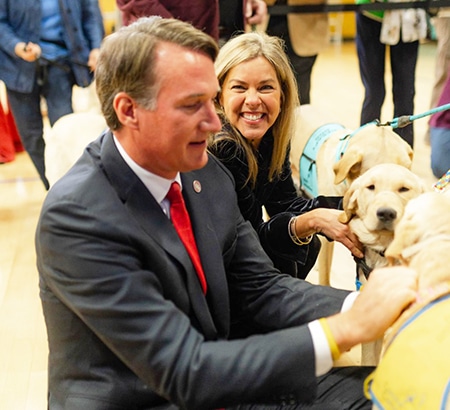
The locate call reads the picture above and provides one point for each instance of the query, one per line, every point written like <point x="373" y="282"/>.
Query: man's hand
<point x="387" y="293"/>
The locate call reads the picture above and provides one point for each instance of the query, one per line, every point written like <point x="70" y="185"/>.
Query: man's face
<point x="173" y="137"/>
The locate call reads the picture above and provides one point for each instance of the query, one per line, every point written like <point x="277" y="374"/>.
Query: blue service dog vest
<point x="307" y="165"/>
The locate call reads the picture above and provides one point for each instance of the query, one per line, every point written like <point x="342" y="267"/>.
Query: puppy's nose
<point x="386" y="214"/>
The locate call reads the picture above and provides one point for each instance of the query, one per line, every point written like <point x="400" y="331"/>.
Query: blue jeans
<point x="440" y="150"/>
<point x="54" y="83"/>
<point x="372" y="56"/>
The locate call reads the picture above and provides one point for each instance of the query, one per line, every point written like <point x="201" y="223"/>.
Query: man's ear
<point x="125" y="108"/>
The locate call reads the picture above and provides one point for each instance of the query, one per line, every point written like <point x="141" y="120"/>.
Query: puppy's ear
<point x="349" y="166"/>
<point x="423" y="187"/>
<point x="350" y="204"/>
<point x="410" y="153"/>
<point x="405" y="235"/>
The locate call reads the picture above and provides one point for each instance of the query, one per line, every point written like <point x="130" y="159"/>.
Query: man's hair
<point x="246" y="47"/>
<point x="127" y="60"/>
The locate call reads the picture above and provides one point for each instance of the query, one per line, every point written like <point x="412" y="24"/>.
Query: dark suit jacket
<point x="128" y="325"/>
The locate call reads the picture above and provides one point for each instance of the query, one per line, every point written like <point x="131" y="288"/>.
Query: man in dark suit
<point x="129" y="324"/>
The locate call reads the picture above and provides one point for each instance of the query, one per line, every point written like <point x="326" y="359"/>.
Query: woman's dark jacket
<point x="280" y="199"/>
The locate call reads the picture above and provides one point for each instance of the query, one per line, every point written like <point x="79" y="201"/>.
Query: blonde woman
<point x="256" y="102"/>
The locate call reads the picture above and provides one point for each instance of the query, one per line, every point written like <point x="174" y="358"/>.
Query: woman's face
<point x="251" y="98"/>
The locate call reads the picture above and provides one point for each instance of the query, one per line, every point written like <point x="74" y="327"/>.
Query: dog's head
<point x="425" y="217"/>
<point x="375" y="201"/>
<point x="422" y="239"/>
<point x="369" y="146"/>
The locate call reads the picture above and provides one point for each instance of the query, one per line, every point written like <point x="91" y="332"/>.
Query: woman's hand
<point x="325" y="221"/>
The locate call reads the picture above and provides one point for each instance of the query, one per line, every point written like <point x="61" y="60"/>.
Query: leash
<point x="398" y="122"/>
<point x="404" y="120"/>
<point x="364" y="268"/>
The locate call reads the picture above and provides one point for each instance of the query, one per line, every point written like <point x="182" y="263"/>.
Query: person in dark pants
<point x="305" y="36"/>
<point x="130" y="324"/>
<point x="46" y="47"/>
<point x="372" y="56"/>
<point x="235" y="15"/>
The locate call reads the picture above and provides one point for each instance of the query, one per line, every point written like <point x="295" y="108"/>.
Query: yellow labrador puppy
<point x="349" y="152"/>
<point x="374" y="204"/>
<point x="66" y="140"/>
<point x="415" y="364"/>
<point x="326" y="157"/>
<point x="422" y="239"/>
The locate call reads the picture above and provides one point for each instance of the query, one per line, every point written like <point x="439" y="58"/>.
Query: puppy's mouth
<point x="385" y="227"/>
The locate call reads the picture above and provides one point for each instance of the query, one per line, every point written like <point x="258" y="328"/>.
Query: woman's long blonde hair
<point x="248" y="46"/>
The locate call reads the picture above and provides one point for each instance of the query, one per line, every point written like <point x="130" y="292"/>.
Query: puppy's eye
<point x="370" y="187"/>
<point x="403" y="189"/>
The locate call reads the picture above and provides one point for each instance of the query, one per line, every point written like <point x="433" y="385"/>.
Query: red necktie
<point x="182" y="223"/>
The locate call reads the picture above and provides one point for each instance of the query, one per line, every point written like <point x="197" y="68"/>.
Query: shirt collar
<point x="158" y="186"/>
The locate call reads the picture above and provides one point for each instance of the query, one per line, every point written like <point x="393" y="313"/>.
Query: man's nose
<point x="212" y="123"/>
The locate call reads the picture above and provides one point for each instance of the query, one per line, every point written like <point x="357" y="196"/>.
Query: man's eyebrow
<point x="198" y="95"/>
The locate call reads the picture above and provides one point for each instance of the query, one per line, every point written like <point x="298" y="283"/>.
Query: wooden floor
<point x="23" y="350"/>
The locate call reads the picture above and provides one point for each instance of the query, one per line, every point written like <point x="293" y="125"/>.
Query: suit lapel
<point x="195" y="192"/>
<point x="141" y="205"/>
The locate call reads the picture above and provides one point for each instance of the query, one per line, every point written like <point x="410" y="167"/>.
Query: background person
<point x="237" y="15"/>
<point x="217" y="18"/>
<point x="400" y="30"/>
<point x="441" y="24"/>
<point x="203" y="14"/>
<point x="46" y="47"/>
<point x="305" y="36"/>
<point x="440" y="135"/>
<point x="129" y="325"/>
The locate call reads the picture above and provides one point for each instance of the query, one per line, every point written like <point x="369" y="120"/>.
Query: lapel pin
<point x="197" y="186"/>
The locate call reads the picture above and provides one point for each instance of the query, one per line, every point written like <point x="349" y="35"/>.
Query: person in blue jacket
<point x="46" y="47"/>
<point x="440" y="135"/>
